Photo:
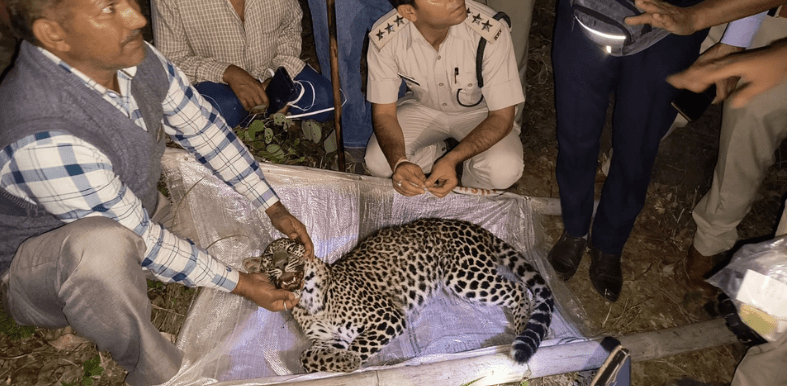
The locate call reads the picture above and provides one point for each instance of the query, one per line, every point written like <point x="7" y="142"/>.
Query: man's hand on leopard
<point x="287" y="224"/>
<point x="258" y="288"/>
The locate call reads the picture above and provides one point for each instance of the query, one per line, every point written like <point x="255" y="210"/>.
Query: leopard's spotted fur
<point x="355" y="306"/>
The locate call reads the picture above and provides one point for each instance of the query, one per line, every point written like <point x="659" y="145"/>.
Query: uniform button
<point x="439" y="57"/>
<point x="440" y="84"/>
<point x="445" y="104"/>
<point x="469" y="85"/>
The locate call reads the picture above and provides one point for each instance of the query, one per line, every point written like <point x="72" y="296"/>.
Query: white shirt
<point x="435" y="76"/>
<point x="740" y="33"/>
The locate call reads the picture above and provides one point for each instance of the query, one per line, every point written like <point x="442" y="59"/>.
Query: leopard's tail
<point x="526" y="343"/>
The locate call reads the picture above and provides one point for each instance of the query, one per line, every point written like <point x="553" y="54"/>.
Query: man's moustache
<point x="133" y="36"/>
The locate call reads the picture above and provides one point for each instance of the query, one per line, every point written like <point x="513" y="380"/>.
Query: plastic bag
<point x="756" y="281"/>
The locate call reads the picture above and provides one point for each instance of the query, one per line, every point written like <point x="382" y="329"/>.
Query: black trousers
<point x="585" y="77"/>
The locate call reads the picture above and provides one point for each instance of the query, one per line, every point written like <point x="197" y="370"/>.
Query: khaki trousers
<point x="763" y="365"/>
<point x="424" y="131"/>
<point x="749" y="137"/>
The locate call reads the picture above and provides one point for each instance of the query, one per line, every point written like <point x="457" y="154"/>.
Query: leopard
<point x="354" y="307"/>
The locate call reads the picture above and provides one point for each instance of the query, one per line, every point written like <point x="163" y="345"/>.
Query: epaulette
<point x="386" y="27"/>
<point x="481" y="20"/>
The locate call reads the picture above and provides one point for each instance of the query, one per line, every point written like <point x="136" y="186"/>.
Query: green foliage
<point x="14" y="331"/>
<point x="91" y="368"/>
<point x="155" y="285"/>
<point x="278" y="139"/>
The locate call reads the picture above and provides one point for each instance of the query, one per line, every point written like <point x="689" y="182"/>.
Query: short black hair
<point x="23" y="13"/>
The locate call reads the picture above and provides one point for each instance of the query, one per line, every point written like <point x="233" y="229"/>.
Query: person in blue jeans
<point x="585" y="76"/>
<point x="230" y="50"/>
<point x="354" y="18"/>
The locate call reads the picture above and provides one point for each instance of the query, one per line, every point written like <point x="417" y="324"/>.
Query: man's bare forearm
<point x="388" y="132"/>
<point x="759" y="70"/>
<point x="688" y="20"/>
<point x="489" y="132"/>
<point x="714" y="12"/>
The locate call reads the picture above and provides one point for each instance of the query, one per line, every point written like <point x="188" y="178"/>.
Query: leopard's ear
<point x="252" y="264"/>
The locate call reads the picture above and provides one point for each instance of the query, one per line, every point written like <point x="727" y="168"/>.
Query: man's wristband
<point x="399" y="162"/>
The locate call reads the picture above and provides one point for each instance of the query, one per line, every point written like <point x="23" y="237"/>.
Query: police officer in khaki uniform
<point x="432" y="46"/>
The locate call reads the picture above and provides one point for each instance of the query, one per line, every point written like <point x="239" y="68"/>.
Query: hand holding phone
<point x="691" y="104"/>
<point x="280" y="90"/>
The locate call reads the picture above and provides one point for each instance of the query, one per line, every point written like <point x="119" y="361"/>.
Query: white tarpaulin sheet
<point x="229" y="340"/>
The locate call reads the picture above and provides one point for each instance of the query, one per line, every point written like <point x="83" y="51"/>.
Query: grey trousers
<point x="87" y="274"/>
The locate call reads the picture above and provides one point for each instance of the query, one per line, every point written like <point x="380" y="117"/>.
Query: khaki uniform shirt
<point x="203" y="37"/>
<point x="437" y="78"/>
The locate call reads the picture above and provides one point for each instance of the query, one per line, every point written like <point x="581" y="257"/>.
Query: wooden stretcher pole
<point x="496" y="367"/>
<point x="337" y="94"/>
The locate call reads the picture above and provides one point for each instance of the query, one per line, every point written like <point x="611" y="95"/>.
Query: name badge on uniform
<point x="408" y="78"/>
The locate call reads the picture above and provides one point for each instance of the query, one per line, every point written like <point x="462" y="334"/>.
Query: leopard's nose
<point x="280" y="259"/>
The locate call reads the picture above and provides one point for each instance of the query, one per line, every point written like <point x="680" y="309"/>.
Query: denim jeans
<point x="354" y="19"/>
<point x="319" y="96"/>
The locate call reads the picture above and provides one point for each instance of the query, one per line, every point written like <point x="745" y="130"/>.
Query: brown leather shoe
<point x="698" y="268"/>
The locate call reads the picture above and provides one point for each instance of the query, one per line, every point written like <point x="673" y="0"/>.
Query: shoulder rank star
<point x="483" y="23"/>
<point x="386" y="27"/>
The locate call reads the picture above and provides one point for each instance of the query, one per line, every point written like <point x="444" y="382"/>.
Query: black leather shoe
<point x="605" y="274"/>
<point x="566" y="255"/>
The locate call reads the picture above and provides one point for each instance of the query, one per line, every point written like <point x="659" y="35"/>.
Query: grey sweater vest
<point x="37" y="96"/>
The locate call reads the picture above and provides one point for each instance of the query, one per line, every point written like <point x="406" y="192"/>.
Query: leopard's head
<point x="283" y="261"/>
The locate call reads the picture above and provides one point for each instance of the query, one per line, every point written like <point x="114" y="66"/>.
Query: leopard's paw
<point x="330" y="359"/>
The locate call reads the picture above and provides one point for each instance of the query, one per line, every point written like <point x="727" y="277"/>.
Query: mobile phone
<point x="691" y="104"/>
<point x="280" y="90"/>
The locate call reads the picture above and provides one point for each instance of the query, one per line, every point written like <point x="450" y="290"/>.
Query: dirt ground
<point x="651" y="298"/>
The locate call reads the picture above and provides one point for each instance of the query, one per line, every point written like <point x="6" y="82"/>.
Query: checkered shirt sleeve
<point x="72" y="179"/>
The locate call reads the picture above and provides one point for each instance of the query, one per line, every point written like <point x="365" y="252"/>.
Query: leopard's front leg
<point x="378" y="334"/>
<point x="325" y="356"/>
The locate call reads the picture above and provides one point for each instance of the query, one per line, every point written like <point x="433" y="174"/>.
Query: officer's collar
<point x="459" y="31"/>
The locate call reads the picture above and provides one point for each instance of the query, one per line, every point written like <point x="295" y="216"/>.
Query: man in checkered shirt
<point x="230" y="49"/>
<point x="85" y="112"/>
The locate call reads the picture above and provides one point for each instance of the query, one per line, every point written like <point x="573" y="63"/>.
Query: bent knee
<point x="500" y="172"/>
<point x="503" y="180"/>
<point x="96" y="240"/>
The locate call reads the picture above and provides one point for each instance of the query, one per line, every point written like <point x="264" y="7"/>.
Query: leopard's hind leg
<point x="495" y="273"/>
<point x="480" y="278"/>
